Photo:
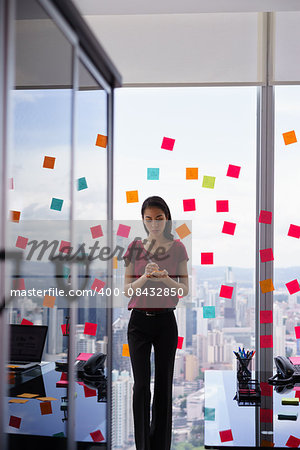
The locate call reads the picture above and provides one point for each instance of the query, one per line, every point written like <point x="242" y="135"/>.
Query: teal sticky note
<point x="61" y="434"/>
<point x="208" y="182"/>
<point x="56" y="204"/>
<point x="209" y="413"/>
<point x="209" y="312"/>
<point x="66" y="271"/>
<point x="81" y="184"/>
<point x="153" y="173"/>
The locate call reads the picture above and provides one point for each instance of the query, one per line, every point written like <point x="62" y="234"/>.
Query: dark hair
<point x="159" y="202"/>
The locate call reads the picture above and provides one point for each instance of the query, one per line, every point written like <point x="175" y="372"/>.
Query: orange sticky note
<point x="266" y="285"/>
<point x="101" y="141"/>
<point x="49" y="162"/>
<point x="27" y="395"/>
<point x="46" y="408"/>
<point x="19" y="400"/>
<point x="183" y="231"/>
<point x="49" y="301"/>
<point x="265" y="443"/>
<point x="132" y="196"/>
<point x="289" y="137"/>
<point x="115" y="262"/>
<point x="125" y="350"/>
<point x="14" y="216"/>
<point x="192" y="173"/>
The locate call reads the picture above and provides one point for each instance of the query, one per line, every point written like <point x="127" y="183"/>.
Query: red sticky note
<point x="207" y="258"/>
<point x="233" y="171"/>
<point x="168" y="143"/>
<point x="96" y="231"/>
<point x="297" y="394"/>
<point x="97" y="285"/>
<point x="265" y="217"/>
<point x="266" y="389"/>
<point x="297" y="332"/>
<point x="26" y="322"/>
<point x="266" y="255"/>
<point x="266" y="316"/>
<point x="65" y="247"/>
<point x="294" y="231"/>
<point x="46" y="408"/>
<point x="226" y="291"/>
<point x="226" y="435"/>
<point x="266" y="341"/>
<point x="97" y="436"/>
<point x="293" y="286"/>
<point x="64" y="329"/>
<point x="123" y="230"/>
<point x="222" y="205"/>
<point x="64" y="376"/>
<point x="90" y="328"/>
<point x="180" y="342"/>
<point x="189" y="204"/>
<point x="266" y="415"/>
<point x="63" y="383"/>
<point x="21" y="242"/>
<point x="84" y="356"/>
<point x="293" y="442"/>
<point x="228" y="227"/>
<point x="88" y="392"/>
<point x="15" y="421"/>
<point x="19" y="283"/>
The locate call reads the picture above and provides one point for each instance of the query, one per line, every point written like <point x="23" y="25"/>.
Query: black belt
<point x="153" y="313"/>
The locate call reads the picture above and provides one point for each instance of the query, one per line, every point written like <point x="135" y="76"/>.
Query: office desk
<point x="90" y="414"/>
<point x="220" y="389"/>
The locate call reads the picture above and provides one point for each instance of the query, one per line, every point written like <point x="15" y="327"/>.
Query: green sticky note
<point x="153" y="173"/>
<point x="61" y="434"/>
<point x="209" y="413"/>
<point x="208" y="182"/>
<point x="209" y="312"/>
<point x="81" y="184"/>
<point x="56" y="204"/>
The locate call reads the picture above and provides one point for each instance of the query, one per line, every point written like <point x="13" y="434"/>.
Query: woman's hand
<point x="150" y="267"/>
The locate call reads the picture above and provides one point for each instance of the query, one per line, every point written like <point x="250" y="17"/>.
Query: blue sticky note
<point x="209" y="413"/>
<point x="209" y="312"/>
<point x="81" y="184"/>
<point x="56" y="204"/>
<point x="153" y="173"/>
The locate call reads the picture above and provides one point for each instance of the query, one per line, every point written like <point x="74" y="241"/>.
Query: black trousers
<point x="161" y="332"/>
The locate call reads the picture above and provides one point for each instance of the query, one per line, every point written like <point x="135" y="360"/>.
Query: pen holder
<point x="248" y="390"/>
<point x="243" y="369"/>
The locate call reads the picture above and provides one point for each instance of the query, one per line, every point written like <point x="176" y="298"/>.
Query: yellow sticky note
<point x="183" y="231"/>
<point x="11" y="366"/>
<point x="192" y="173"/>
<point x="46" y="399"/>
<point x="115" y="262"/>
<point x="27" y="395"/>
<point x="49" y="301"/>
<point x="125" y="350"/>
<point x="19" y="400"/>
<point x="266" y="285"/>
<point x="132" y="196"/>
<point x="289" y="137"/>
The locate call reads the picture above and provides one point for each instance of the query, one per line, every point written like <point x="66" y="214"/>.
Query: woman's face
<point x="155" y="221"/>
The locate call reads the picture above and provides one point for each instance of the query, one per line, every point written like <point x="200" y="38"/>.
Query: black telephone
<point x="287" y="372"/>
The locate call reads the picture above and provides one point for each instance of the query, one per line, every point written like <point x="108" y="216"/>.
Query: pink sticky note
<point x="295" y="359"/>
<point x="88" y="392"/>
<point x="96" y="231"/>
<point x="266" y="316"/>
<point x="189" y="204"/>
<point x="226" y="291"/>
<point x="292" y="442"/>
<point x="26" y="322"/>
<point x="97" y="436"/>
<point x="84" y="356"/>
<point x="65" y="247"/>
<point x="266" y="255"/>
<point x="62" y="383"/>
<point x="15" y="421"/>
<point x="233" y="171"/>
<point x="228" y="227"/>
<point x="21" y="242"/>
<point x="168" y="143"/>
<point x="266" y="341"/>
<point x="90" y="328"/>
<point x="293" y="286"/>
<point x="297" y="395"/>
<point x="294" y="231"/>
<point x="64" y="329"/>
<point x="266" y="389"/>
<point x="297" y="332"/>
<point x="19" y="283"/>
<point x="180" y="342"/>
<point x="265" y="217"/>
<point x="97" y="285"/>
<point x="207" y="258"/>
<point x="226" y="435"/>
<point x="123" y="230"/>
<point x="266" y="415"/>
<point x="222" y="205"/>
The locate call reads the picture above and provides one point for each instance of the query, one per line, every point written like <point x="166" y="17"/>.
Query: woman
<point x="156" y="273"/>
